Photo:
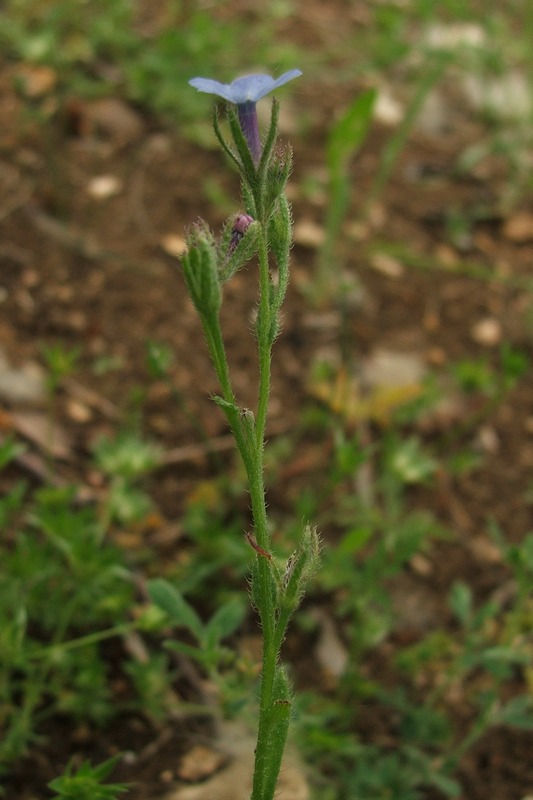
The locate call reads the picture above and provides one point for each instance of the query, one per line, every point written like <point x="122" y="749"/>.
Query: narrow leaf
<point x="350" y="131"/>
<point x="169" y="599"/>
<point x="224" y="622"/>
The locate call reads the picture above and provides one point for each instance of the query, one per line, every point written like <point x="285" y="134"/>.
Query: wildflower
<point x="244" y="93"/>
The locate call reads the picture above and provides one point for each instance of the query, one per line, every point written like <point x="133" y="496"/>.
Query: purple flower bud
<point x="240" y="226"/>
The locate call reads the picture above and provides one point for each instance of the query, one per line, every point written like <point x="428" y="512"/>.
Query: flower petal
<point x="213" y="87"/>
<point x="251" y="88"/>
<point x="285" y="78"/>
<point x="248" y="89"/>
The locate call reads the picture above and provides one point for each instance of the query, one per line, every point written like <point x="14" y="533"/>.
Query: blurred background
<point x="401" y="418"/>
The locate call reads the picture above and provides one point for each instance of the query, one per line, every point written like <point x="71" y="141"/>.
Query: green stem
<point x="249" y="433"/>
<point x="261" y="786"/>
<point x="264" y="323"/>
<point x="262" y="750"/>
<point x="253" y="462"/>
<point x="252" y="457"/>
<point x="218" y="355"/>
<point x="83" y="641"/>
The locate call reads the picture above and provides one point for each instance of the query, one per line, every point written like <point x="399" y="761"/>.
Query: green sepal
<point x="224" y="145"/>
<point x="299" y="568"/>
<point x="280" y="238"/>
<point x="270" y="140"/>
<point x="277" y="175"/>
<point x="249" y="200"/>
<point x="200" y="271"/>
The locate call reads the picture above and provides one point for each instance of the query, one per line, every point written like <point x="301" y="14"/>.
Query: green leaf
<point x="349" y="133"/>
<point x="9" y="450"/>
<point x="224" y="622"/>
<point x="448" y="786"/>
<point x="196" y="653"/>
<point x="354" y="540"/>
<point x="461" y="601"/>
<point x="85" y="782"/>
<point x="517" y="713"/>
<point x="180" y="613"/>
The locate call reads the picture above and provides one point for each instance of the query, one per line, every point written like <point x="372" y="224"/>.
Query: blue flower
<point x="248" y="89"/>
<point x="244" y="93"/>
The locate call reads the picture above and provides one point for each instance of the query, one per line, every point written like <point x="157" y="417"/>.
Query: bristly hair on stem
<point x="264" y="230"/>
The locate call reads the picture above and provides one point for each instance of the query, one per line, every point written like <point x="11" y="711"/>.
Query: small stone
<point x="199" y="763"/>
<point x="421" y="565"/>
<point x="308" y="234"/>
<point x="431" y="320"/>
<point x="79" y="412"/>
<point x="436" y="356"/>
<point x="447" y="255"/>
<point x="174" y="244"/>
<point x="454" y="35"/>
<point x="487" y="332"/>
<point x="387" y="265"/>
<point x="528" y="425"/>
<point x="488" y="440"/>
<point x="37" y="80"/>
<point x="103" y="186"/>
<point x="391" y="368"/>
<point x="22" y="385"/>
<point x="507" y="97"/>
<point x="109" y="117"/>
<point x="485" y="550"/>
<point x="388" y="110"/>
<point x="519" y="228"/>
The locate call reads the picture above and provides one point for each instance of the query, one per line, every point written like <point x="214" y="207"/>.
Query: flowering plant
<point x="264" y="231"/>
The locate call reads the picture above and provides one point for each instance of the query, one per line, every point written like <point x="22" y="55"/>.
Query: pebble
<point x="103" y="186"/>
<point x="519" y="228"/>
<point x="22" y="385"/>
<point x="308" y="234"/>
<point x="487" y="332"/>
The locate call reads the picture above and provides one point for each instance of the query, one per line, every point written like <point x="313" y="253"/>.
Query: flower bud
<point x="240" y="226"/>
<point x="238" y="245"/>
<point x="200" y="269"/>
